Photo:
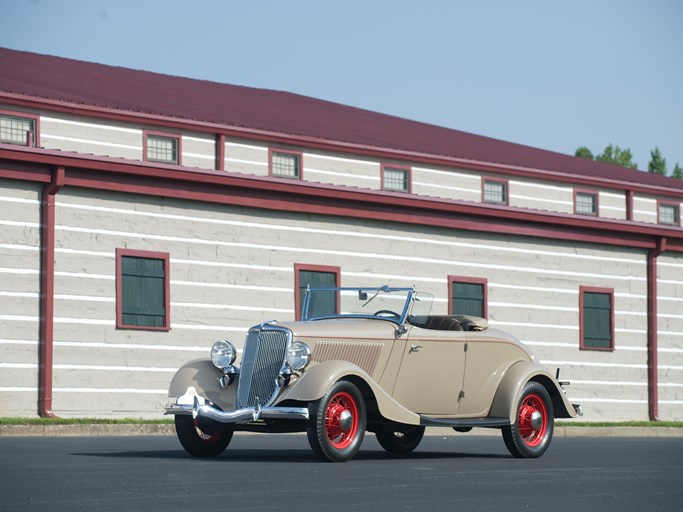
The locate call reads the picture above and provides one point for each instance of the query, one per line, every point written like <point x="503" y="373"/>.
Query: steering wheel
<point x="387" y="312"/>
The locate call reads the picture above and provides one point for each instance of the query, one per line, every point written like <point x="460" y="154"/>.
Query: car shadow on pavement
<point x="287" y="455"/>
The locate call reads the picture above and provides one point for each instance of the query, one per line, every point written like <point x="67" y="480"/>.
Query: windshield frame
<point x="371" y="292"/>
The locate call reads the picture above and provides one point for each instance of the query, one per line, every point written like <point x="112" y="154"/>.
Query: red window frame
<point x="606" y="291"/>
<point x="298" y="267"/>
<point x="176" y="136"/>
<point x="471" y="280"/>
<point x="35" y="142"/>
<point x="409" y="177"/>
<point x="165" y="257"/>
<point x="674" y="204"/>
<point x="593" y="193"/>
<point x="503" y="181"/>
<point x="298" y="154"/>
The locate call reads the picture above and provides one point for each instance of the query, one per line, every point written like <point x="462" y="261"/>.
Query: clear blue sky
<point x="550" y="74"/>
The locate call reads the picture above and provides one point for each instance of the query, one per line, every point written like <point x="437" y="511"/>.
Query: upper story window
<point x="18" y="128"/>
<point x="585" y="202"/>
<point x="162" y="147"/>
<point x="317" y="276"/>
<point x="285" y="164"/>
<point x="495" y="191"/>
<point x="142" y="290"/>
<point x="468" y="296"/>
<point x="596" y="310"/>
<point x="395" y="179"/>
<point x="669" y="213"/>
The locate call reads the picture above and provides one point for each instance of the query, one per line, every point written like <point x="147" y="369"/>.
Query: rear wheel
<point x="198" y="442"/>
<point x="401" y="441"/>
<point x="337" y="422"/>
<point x="532" y="431"/>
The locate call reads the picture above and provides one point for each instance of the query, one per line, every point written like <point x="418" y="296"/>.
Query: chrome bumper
<point x="191" y="403"/>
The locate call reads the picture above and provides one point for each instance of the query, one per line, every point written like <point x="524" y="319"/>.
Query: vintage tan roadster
<point x="368" y="359"/>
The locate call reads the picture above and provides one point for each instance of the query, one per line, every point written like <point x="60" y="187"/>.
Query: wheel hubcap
<point x="536" y="420"/>
<point x="345" y="421"/>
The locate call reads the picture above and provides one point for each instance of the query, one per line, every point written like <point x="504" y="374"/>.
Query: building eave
<point x="273" y="137"/>
<point x="88" y="171"/>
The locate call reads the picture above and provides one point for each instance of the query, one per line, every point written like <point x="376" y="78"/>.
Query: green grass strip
<point x="672" y="424"/>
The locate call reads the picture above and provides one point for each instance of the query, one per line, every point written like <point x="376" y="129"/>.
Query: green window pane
<point x="143" y="288"/>
<point x="468" y="299"/>
<point x="597" y="320"/>
<point x="15" y="130"/>
<point x="326" y="302"/>
<point x="285" y="165"/>
<point x="162" y="149"/>
<point x="495" y="192"/>
<point x="586" y="203"/>
<point x="396" y="179"/>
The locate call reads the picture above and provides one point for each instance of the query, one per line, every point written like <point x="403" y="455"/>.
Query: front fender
<point x="313" y="384"/>
<point x="203" y="376"/>
<point x="510" y="389"/>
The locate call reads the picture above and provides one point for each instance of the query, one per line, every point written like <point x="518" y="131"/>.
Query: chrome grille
<point x="262" y="360"/>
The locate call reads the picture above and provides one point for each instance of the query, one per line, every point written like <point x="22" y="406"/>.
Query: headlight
<point x="223" y="354"/>
<point x="298" y="355"/>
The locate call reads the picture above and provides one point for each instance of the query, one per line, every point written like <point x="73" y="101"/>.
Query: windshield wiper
<point x="384" y="289"/>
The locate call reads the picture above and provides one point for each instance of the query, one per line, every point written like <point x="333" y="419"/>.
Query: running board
<point x="428" y="421"/>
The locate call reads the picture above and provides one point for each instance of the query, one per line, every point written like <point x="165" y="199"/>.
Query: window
<point x="495" y="191"/>
<point x="395" y="179"/>
<point x="162" y="147"/>
<point x="316" y="276"/>
<point x="285" y="164"/>
<point x="668" y="213"/>
<point x="596" y="311"/>
<point x="467" y="296"/>
<point x="585" y="202"/>
<point x="142" y="290"/>
<point x="18" y="129"/>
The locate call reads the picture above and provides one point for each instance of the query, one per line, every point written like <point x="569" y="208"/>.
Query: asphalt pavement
<point x="279" y="472"/>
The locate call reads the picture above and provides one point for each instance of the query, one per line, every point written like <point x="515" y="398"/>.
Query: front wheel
<point x="197" y="442"/>
<point x="401" y="441"/>
<point x="337" y="422"/>
<point x="530" y="435"/>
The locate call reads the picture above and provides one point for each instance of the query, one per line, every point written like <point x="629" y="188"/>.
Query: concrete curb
<point x="104" y="430"/>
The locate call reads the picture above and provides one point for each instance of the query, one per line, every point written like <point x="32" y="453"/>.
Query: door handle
<point x="414" y="348"/>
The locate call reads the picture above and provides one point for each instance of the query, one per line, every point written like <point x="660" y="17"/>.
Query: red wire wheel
<point x="337" y="422"/>
<point x="532" y="420"/>
<point x="530" y="435"/>
<point x="341" y="420"/>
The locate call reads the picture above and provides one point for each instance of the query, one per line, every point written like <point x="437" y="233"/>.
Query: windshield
<point x="393" y="304"/>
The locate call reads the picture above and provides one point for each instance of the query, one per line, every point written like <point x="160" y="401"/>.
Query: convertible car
<point x="368" y="359"/>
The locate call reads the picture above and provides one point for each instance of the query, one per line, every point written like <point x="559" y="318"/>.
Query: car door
<point x="431" y="373"/>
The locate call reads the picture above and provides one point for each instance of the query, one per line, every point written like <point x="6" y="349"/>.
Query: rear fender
<point x="313" y="384"/>
<point x="510" y="389"/>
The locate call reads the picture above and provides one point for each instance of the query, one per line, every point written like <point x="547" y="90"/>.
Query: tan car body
<point x="414" y="377"/>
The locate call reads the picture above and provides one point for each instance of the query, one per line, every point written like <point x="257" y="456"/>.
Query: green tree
<point x="584" y="152"/>
<point x="677" y="172"/>
<point x="616" y="155"/>
<point x="657" y="163"/>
